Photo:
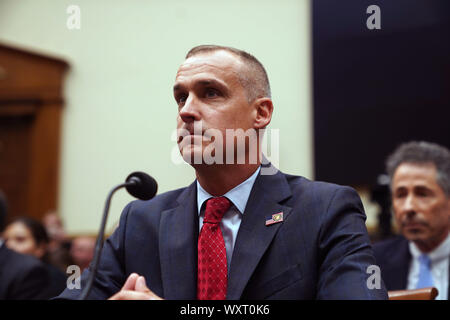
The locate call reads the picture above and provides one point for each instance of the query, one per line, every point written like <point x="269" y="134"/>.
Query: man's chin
<point x="192" y="155"/>
<point x="415" y="234"/>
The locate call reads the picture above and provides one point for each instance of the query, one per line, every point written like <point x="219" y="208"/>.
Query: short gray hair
<point x="421" y="152"/>
<point x="254" y="80"/>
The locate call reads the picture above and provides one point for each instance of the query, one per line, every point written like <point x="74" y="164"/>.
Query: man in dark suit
<point x="242" y="230"/>
<point x="21" y="277"/>
<point x="420" y="185"/>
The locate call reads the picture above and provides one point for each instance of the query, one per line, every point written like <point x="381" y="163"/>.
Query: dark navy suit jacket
<point x="320" y="251"/>
<point x="394" y="258"/>
<point x="22" y="277"/>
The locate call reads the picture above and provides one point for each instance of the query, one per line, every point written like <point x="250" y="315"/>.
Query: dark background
<point x="374" y="89"/>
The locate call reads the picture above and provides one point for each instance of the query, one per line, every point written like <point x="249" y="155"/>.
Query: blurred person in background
<point x="82" y="251"/>
<point x="58" y="248"/>
<point x="28" y="236"/>
<point x="22" y="277"/>
<point x="420" y="188"/>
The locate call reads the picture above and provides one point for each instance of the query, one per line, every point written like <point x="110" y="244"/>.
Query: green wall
<point x="120" y="113"/>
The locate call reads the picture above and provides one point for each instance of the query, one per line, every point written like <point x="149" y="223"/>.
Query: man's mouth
<point x="191" y="133"/>
<point x="413" y="225"/>
<point x="190" y="139"/>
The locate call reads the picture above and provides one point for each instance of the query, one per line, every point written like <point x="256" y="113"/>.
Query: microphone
<point x="139" y="185"/>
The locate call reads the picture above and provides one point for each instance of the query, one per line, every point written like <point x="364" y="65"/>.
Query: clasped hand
<point x="135" y="288"/>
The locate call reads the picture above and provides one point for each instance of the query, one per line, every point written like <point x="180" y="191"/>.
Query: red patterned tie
<point x="212" y="255"/>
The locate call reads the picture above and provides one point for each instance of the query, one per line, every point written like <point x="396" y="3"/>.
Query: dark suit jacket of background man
<point x="321" y="249"/>
<point x="393" y="257"/>
<point x="22" y="277"/>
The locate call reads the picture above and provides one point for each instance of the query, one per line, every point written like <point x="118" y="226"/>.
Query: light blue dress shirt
<point x="440" y="259"/>
<point x="232" y="218"/>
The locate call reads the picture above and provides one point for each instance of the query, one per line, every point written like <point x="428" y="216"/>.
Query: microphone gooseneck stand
<point x="139" y="185"/>
<point x="99" y="242"/>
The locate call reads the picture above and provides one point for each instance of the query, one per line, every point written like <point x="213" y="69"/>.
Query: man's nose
<point x="189" y="112"/>
<point x="409" y="204"/>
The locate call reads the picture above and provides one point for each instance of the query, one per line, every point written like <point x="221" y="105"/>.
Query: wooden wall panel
<point x="31" y="105"/>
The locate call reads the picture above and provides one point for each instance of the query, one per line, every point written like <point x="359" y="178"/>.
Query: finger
<point x="132" y="295"/>
<point x="141" y="286"/>
<point x="131" y="282"/>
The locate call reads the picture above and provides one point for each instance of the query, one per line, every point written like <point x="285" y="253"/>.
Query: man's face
<point x="82" y="251"/>
<point x="209" y="94"/>
<point x="422" y="209"/>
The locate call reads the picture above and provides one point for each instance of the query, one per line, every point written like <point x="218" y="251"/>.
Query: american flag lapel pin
<point x="275" y="218"/>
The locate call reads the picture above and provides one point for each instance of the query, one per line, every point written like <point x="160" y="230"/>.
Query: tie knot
<point x="215" y="209"/>
<point x="425" y="260"/>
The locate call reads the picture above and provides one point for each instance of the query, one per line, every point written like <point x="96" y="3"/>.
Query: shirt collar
<point x="238" y="195"/>
<point x="442" y="251"/>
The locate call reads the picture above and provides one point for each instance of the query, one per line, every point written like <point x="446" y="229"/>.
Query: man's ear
<point x="264" y="109"/>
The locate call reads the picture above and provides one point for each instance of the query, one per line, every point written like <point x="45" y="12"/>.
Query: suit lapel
<point x="254" y="236"/>
<point x="397" y="270"/>
<point x="404" y="260"/>
<point x="178" y="236"/>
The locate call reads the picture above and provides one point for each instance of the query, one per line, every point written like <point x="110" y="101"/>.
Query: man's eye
<point x="211" y="93"/>
<point x="181" y="99"/>
<point x="422" y="193"/>
<point x="400" y="194"/>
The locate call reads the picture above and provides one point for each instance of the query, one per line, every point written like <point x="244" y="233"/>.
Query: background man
<point x="82" y="251"/>
<point x="420" y="185"/>
<point x="235" y="232"/>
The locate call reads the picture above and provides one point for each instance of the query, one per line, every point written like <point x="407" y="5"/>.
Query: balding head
<point x="253" y="76"/>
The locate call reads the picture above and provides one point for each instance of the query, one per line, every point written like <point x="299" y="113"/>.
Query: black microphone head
<point x="144" y="186"/>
